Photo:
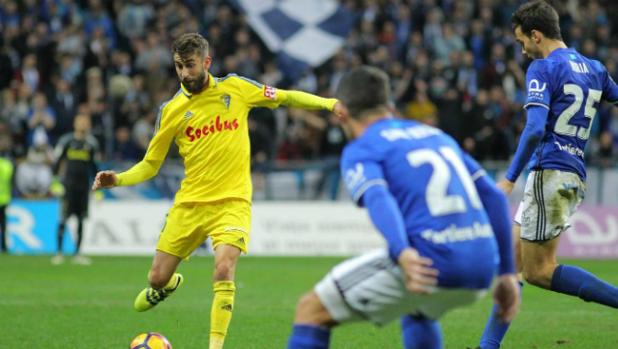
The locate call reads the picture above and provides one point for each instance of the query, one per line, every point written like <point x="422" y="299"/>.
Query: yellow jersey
<point x="211" y="132"/>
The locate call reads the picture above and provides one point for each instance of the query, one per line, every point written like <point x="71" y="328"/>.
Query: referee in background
<point x="75" y="158"/>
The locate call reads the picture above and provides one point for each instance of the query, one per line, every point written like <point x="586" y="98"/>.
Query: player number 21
<point x="562" y="124"/>
<point x="438" y="200"/>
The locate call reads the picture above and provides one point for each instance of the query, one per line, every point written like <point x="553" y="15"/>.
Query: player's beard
<point x="197" y="84"/>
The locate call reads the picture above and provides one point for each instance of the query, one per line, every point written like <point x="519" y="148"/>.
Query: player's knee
<point x="310" y="310"/>
<point x="224" y="269"/>
<point x="157" y="278"/>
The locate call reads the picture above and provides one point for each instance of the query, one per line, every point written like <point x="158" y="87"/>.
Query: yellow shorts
<point x="188" y="225"/>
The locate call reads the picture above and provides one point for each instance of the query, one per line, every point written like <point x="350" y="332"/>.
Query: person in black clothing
<point x="75" y="154"/>
<point x="331" y="145"/>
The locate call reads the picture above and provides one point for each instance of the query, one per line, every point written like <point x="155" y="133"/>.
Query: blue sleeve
<point x="538" y="91"/>
<point x="530" y="138"/>
<point x="497" y="208"/>
<point x="360" y="170"/>
<point x="362" y="173"/>
<point x="387" y="218"/>
<point x="610" y="89"/>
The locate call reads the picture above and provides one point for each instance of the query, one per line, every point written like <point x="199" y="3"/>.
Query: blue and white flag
<point x="304" y="33"/>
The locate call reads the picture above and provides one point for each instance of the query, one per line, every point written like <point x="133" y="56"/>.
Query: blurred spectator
<point x="41" y="118"/>
<point x="29" y="73"/>
<point x="134" y="17"/>
<point x="421" y="108"/>
<point x="124" y="146"/>
<point x="143" y="131"/>
<point x="331" y="145"/>
<point x="605" y="156"/>
<point x="64" y="103"/>
<point x="34" y="174"/>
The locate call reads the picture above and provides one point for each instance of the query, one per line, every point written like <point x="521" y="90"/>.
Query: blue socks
<point x="577" y="282"/>
<point x="566" y="279"/>
<point x="420" y="333"/>
<point x="495" y="329"/>
<point x="309" y="337"/>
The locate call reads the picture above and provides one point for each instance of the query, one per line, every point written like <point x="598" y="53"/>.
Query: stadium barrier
<point x="279" y="229"/>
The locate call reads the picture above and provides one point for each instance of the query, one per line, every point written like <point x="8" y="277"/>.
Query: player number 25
<point x="562" y="124"/>
<point x="438" y="200"/>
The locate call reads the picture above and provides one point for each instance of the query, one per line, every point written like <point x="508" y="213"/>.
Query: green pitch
<point x="71" y="306"/>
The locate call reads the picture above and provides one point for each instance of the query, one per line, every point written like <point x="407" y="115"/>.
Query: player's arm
<point x="388" y="219"/>
<point x="260" y="95"/>
<point x="150" y="165"/>
<point x="506" y="290"/>
<point x="530" y="138"/>
<point x="537" y="107"/>
<point x="610" y="89"/>
<point x="60" y="153"/>
<point x="497" y="208"/>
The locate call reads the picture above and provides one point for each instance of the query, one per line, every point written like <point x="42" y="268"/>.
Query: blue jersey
<point x="570" y="86"/>
<point x="431" y="180"/>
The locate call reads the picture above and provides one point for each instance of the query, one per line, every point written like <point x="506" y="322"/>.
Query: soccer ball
<point x="150" y="340"/>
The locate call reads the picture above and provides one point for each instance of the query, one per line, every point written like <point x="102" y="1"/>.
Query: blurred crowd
<point x="453" y="63"/>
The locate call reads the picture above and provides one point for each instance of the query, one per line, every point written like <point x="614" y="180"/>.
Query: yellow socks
<point x="221" y="312"/>
<point x="173" y="283"/>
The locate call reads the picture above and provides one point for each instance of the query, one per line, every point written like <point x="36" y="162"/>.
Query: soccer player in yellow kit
<point x="207" y="118"/>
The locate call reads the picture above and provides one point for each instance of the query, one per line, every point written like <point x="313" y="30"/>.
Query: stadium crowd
<point x="453" y="63"/>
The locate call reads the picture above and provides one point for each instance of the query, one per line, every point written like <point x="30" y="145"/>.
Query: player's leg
<point x="3" y="232"/>
<point x="64" y="215"/>
<point x="80" y="234"/>
<point x="420" y="332"/>
<point x="77" y="257"/>
<point x="81" y="212"/>
<point x="542" y="269"/>
<point x="163" y="281"/>
<point x="559" y="194"/>
<point x="312" y="324"/>
<point x="495" y="329"/>
<point x="224" y="289"/>
<point x="177" y="241"/>
<point x="229" y="225"/>
<point x="366" y="288"/>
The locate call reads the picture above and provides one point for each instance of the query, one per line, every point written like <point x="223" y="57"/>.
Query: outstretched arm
<point x="150" y="165"/>
<point x="259" y="95"/>
<point x="530" y="138"/>
<point x="304" y="100"/>
<point x="140" y="172"/>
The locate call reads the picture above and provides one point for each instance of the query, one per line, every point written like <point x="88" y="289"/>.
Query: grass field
<point x="70" y="306"/>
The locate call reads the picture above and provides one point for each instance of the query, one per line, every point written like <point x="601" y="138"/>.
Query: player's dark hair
<point x="189" y="44"/>
<point x="363" y="90"/>
<point x="537" y="15"/>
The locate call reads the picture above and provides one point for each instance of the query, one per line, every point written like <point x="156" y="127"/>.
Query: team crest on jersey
<point x="188" y="115"/>
<point x="226" y="101"/>
<point x="270" y="92"/>
<point x="354" y="177"/>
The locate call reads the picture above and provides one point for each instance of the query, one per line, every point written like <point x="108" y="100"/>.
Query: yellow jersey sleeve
<point x="155" y="155"/>
<point x="260" y="95"/>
